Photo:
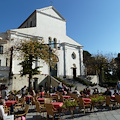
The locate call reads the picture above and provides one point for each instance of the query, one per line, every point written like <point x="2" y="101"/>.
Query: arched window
<point x="49" y="40"/>
<point x="54" y="43"/>
<point x="73" y="55"/>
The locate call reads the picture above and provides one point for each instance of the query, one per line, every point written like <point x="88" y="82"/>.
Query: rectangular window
<point x="6" y="61"/>
<point x="1" y="49"/>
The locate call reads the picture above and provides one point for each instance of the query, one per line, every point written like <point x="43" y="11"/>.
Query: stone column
<point x="64" y="59"/>
<point x="80" y="59"/>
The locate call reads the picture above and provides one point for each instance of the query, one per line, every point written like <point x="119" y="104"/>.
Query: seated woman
<point x="76" y="92"/>
<point x="115" y="92"/>
<point x="2" y="112"/>
<point x="95" y="91"/>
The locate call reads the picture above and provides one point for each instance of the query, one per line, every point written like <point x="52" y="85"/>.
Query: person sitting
<point x="54" y="89"/>
<point x="2" y="112"/>
<point x="76" y="92"/>
<point x="95" y="91"/>
<point x="59" y="88"/>
<point x="23" y="91"/>
<point x="107" y="92"/>
<point x="115" y="92"/>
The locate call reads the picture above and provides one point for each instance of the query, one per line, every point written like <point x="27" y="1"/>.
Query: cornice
<point x="51" y="16"/>
<point x="71" y="45"/>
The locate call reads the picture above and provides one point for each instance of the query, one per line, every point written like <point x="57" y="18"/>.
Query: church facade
<point x="43" y="24"/>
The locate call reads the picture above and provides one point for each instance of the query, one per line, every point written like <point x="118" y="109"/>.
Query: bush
<point x="69" y="104"/>
<point x="84" y="82"/>
<point x="97" y="98"/>
<point x="65" y="83"/>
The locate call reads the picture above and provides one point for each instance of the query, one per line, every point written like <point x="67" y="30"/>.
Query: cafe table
<point x="41" y="93"/>
<point x="41" y="100"/>
<point x="9" y="103"/>
<point x="28" y="97"/>
<point x="54" y="95"/>
<point x="86" y="100"/>
<point x="57" y="104"/>
<point x="66" y="96"/>
<point x="112" y="97"/>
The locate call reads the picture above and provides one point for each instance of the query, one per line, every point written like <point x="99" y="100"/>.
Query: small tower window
<point x="31" y="24"/>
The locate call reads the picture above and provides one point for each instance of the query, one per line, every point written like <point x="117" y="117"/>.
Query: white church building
<point x="49" y="25"/>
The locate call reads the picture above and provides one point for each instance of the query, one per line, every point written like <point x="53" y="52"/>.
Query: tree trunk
<point x="30" y="72"/>
<point x="29" y="86"/>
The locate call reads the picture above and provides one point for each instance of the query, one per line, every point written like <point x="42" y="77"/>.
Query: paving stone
<point x="98" y="115"/>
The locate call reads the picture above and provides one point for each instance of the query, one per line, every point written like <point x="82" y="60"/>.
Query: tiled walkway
<point x="96" y="115"/>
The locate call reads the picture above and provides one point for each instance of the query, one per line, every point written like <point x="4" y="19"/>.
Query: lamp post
<point x="50" y="50"/>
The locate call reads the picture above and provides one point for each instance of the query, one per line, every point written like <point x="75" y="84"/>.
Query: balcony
<point x="4" y="72"/>
<point x="3" y="41"/>
<point x="4" y="68"/>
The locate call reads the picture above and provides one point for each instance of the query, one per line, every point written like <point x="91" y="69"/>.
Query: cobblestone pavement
<point x="104" y="114"/>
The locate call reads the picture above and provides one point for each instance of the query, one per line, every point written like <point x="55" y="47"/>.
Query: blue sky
<point x="95" y="24"/>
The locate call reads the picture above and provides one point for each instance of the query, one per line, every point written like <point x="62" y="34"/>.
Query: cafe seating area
<point x="55" y="105"/>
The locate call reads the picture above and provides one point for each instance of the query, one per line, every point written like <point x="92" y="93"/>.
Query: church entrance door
<point x="54" y="71"/>
<point x="74" y="73"/>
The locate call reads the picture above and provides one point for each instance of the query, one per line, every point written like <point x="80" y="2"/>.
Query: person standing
<point x="23" y="91"/>
<point x="2" y="113"/>
<point x="5" y="93"/>
<point x="118" y="85"/>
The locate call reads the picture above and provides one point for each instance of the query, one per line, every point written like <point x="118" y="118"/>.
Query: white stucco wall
<point x="54" y="26"/>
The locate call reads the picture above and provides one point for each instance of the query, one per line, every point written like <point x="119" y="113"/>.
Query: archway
<point x="74" y="71"/>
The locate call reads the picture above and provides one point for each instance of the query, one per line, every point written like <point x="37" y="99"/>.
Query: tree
<point x="96" y="64"/>
<point x="117" y="60"/>
<point x="31" y="51"/>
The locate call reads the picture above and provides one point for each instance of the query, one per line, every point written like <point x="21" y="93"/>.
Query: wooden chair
<point x="11" y="97"/>
<point x="40" y="109"/>
<point x="117" y="98"/>
<point x="32" y="101"/>
<point x="23" y="113"/>
<point x="110" y="102"/>
<point x="47" y="95"/>
<point x="20" y="104"/>
<point x="18" y="99"/>
<point x="61" y="99"/>
<point x="48" y="100"/>
<point x="51" y="110"/>
<point x="6" y="109"/>
<point x="83" y="104"/>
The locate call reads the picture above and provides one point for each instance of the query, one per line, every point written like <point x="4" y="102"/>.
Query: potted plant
<point x="69" y="105"/>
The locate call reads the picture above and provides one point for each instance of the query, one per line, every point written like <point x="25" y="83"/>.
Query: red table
<point x="86" y="100"/>
<point x="57" y="104"/>
<point x="27" y="98"/>
<point x="54" y="95"/>
<point x="112" y="97"/>
<point x="9" y="103"/>
<point x="41" y="93"/>
<point x="66" y="97"/>
<point x="41" y="99"/>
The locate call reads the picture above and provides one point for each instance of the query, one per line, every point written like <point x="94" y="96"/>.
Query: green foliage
<point x="68" y="103"/>
<point x="67" y="84"/>
<point x="97" y="98"/>
<point x="30" y="51"/>
<point x="84" y="82"/>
